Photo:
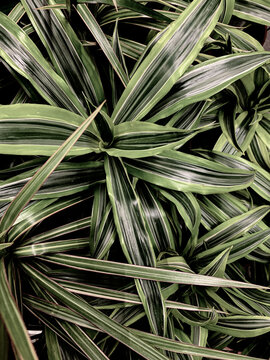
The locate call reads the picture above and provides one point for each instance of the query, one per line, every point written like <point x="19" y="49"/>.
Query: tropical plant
<point x="134" y="140"/>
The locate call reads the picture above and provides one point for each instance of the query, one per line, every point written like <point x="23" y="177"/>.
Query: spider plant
<point x="134" y="139"/>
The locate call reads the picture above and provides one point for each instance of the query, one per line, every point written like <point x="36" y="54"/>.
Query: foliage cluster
<point x="134" y="185"/>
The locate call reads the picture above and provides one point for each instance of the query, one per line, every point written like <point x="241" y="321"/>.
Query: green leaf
<point x="233" y="228"/>
<point x="195" y="85"/>
<point x="257" y="11"/>
<point x="20" y="52"/>
<point x="156" y="222"/>
<point x="53" y="348"/>
<point x="183" y="172"/>
<point x="242" y="326"/>
<point x="102" y="41"/>
<point x="83" y="341"/>
<point x="12" y="319"/>
<point x="143" y="272"/>
<point x="134" y="239"/>
<point x="29" y="129"/>
<point x="103" y="322"/>
<point x="66" y="51"/>
<point x="179" y="45"/>
<point x="29" y="190"/>
<point x="137" y="140"/>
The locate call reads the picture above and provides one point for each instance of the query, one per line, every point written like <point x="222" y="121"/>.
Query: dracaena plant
<point x="134" y="191"/>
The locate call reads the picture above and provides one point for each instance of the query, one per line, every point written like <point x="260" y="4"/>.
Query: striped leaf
<point x="156" y="222"/>
<point x="29" y="190"/>
<point x="143" y="272"/>
<point x="63" y="230"/>
<point x="83" y="341"/>
<point x="240" y="247"/>
<point x="261" y="183"/>
<point x="257" y="11"/>
<point x="227" y="11"/>
<point x="241" y="41"/>
<point x="231" y="229"/>
<point x="182" y="172"/>
<point x="137" y="140"/>
<point x="134" y="240"/>
<point x="179" y="45"/>
<point x="51" y="247"/>
<point x="20" y="52"/>
<point x="179" y="347"/>
<point x="123" y="296"/>
<point x="17" y="13"/>
<point x="68" y="179"/>
<point x="53" y="348"/>
<point x="245" y="128"/>
<point x="190" y="212"/>
<point x="199" y="337"/>
<point x="43" y="129"/>
<point x="66" y="51"/>
<point x="242" y="326"/>
<point x="102" y="41"/>
<point x="12" y="319"/>
<point x="195" y="86"/>
<point x="132" y="5"/>
<point x="227" y="118"/>
<point x="97" y="318"/>
<point x="189" y="117"/>
<point x="99" y="206"/>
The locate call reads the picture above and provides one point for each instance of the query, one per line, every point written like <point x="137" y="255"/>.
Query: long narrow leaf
<point x="12" y="319"/>
<point x="195" y="85"/>
<point x="183" y="172"/>
<point x="66" y="51"/>
<point x="134" y="238"/>
<point x="42" y="174"/>
<point x="168" y="60"/>
<point x="99" y="319"/>
<point x="143" y="272"/>
<point x="20" y="52"/>
<point x="43" y="129"/>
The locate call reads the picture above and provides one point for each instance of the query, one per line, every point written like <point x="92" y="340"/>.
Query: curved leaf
<point x="12" y="319"/>
<point x="143" y="272"/>
<point x="30" y="129"/>
<point x="20" y="52"/>
<point x="168" y="60"/>
<point x="29" y="190"/>
<point x="99" y="319"/>
<point x="134" y="239"/>
<point x="195" y="85"/>
<point x="182" y="172"/>
<point x="257" y="11"/>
